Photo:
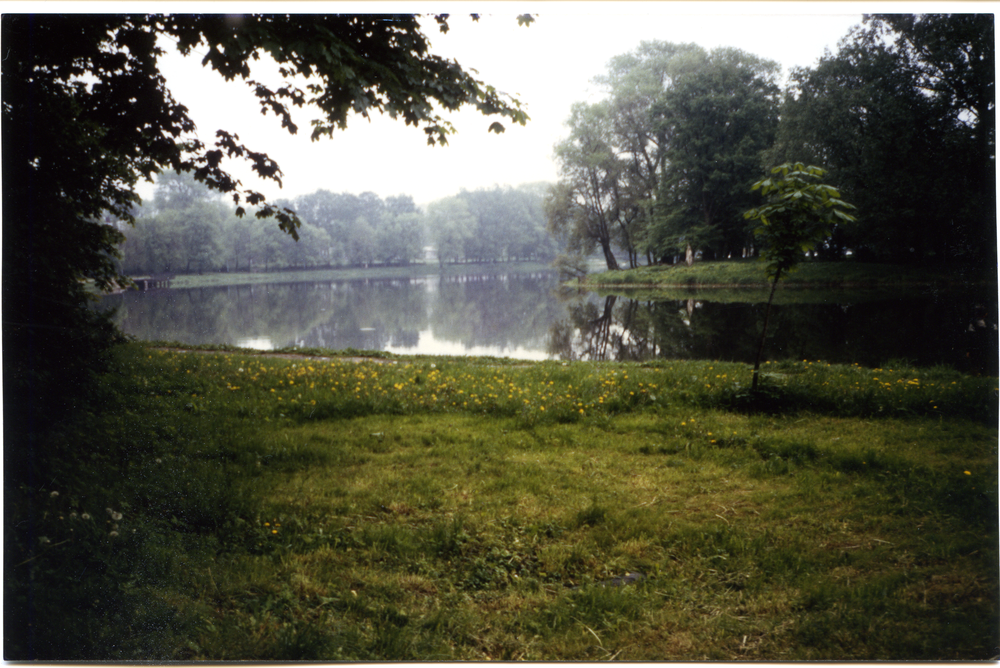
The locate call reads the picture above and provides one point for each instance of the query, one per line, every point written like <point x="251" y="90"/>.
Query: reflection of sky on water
<point x="428" y="344"/>
<point x="255" y="343"/>
<point x="467" y="314"/>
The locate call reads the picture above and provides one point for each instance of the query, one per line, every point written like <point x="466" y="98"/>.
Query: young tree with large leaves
<point x="799" y="214"/>
<point x="87" y="113"/>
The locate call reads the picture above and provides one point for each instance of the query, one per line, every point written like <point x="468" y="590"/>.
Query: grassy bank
<point x="750" y="274"/>
<point x="415" y="270"/>
<point x="800" y="294"/>
<point x="241" y="506"/>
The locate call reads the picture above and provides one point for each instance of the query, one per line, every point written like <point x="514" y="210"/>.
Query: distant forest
<point x="187" y="228"/>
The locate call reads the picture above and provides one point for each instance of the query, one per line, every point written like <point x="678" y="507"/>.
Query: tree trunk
<point x="763" y="334"/>
<point x="609" y="255"/>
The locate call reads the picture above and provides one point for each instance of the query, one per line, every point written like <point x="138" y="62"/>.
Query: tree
<point x="527" y="237"/>
<point x="586" y="205"/>
<point x="951" y="57"/>
<point x="450" y="224"/>
<point x="360" y="242"/>
<point x="951" y="60"/>
<point x="181" y="227"/>
<point x="716" y="120"/>
<point x="636" y="83"/>
<point x="798" y="215"/>
<point x="667" y="159"/>
<point x="902" y="115"/>
<point x="87" y="114"/>
<point x="399" y="238"/>
<point x="491" y="230"/>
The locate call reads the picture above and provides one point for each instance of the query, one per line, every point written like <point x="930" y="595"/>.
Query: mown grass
<point x="750" y="273"/>
<point x="440" y="509"/>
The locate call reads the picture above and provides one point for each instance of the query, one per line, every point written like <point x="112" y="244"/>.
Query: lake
<point x="528" y="316"/>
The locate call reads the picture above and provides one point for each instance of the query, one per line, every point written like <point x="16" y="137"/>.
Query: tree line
<point x="901" y="117"/>
<point x="186" y="228"/>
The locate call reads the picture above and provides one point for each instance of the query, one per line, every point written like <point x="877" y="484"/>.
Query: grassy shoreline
<point x="421" y="508"/>
<point x="749" y="274"/>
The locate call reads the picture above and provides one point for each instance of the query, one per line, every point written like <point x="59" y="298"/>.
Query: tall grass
<point x="249" y="507"/>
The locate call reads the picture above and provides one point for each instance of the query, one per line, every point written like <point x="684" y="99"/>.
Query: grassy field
<point x="750" y="274"/>
<point x="239" y="506"/>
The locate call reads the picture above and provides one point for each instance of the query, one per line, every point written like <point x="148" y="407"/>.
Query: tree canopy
<point x="666" y="160"/>
<point x="715" y="120"/>
<point x="903" y="117"/>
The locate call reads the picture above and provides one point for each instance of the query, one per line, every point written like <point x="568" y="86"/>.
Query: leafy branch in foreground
<point x="799" y="215"/>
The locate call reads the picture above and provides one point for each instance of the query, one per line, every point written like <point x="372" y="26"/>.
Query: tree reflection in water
<point x="924" y="330"/>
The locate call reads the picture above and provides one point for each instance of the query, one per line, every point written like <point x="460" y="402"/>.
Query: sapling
<point x="799" y="214"/>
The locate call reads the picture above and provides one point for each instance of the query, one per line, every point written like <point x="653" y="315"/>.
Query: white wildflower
<point x="113" y="534"/>
<point x="44" y="540"/>
<point x="85" y="516"/>
<point x="54" y="494"/>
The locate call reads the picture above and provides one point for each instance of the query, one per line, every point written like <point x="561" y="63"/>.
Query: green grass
<point x="749" y="274"/>
<point x="467" y="509"/>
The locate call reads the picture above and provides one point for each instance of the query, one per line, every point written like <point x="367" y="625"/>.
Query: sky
<point x="548" y="65"/>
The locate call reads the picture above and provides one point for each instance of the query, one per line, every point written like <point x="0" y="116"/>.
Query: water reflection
<point x="922" y="329"/>
<point x="255" y="343"/>
<point x="499" y="315"/>
<point x="526" y="316"/>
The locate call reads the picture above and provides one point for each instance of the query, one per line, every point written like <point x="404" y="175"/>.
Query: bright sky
<point x="549" y="66"/>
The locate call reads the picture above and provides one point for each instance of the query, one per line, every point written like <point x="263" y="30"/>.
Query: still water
<point x="527" y="316"/>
